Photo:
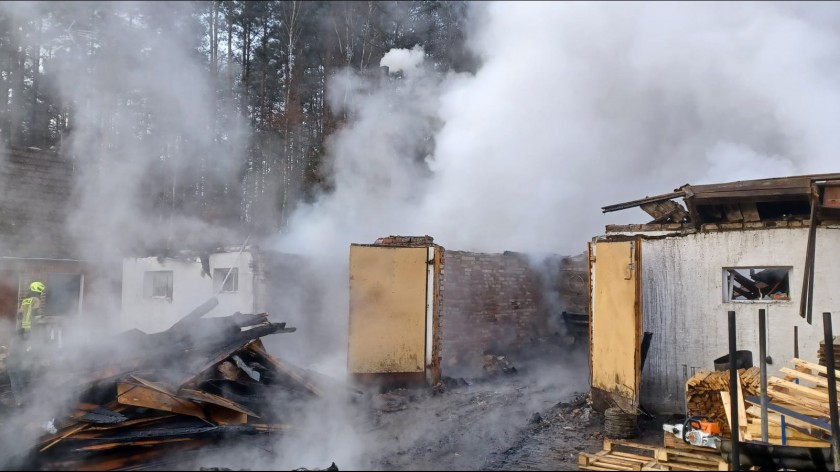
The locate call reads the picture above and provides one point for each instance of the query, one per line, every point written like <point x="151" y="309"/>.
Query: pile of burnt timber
<point x="173" y="393"/>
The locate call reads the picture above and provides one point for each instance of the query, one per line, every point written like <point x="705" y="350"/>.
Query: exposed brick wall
<point x="501" y="304"/>
<point x="37" y="189"/>
<point x="405" y="241"/>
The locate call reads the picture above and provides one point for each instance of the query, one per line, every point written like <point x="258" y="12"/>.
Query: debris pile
<point x="494" y="365"/>
<point x="171" y="394"/>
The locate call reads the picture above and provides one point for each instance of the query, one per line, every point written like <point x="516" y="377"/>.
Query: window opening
<point x="756" y="283"/>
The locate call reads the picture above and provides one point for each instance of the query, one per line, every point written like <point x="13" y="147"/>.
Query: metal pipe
<point x="796" y="342"/>
<point x="832" y="389"/>
<point x="733" y="395"/>
<point x="784" y="431"/>
<point x="762" y="353"/>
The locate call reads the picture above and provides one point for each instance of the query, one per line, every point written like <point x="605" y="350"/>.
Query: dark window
<point x="756" y="283"/>
<point x="63" y="294"/>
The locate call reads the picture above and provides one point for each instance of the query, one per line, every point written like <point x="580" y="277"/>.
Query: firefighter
<point x="23" y="359"/>
<point x="29" y="307"/>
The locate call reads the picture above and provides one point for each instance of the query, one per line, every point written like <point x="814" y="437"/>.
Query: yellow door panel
<point x="387" y="309"/>
<point x="616" y="322"/>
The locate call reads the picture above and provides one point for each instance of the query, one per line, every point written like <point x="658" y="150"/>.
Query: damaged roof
<point x="745" y="201"/>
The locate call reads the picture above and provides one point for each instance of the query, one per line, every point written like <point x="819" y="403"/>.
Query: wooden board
<point x="140" y="395"/>
<point x="727" y="407"/>
<point x="616" y="324"/>
<point x="387" y="309"/>
<point x="205" y="397"/>
<point x="626" y="455"/>
<point x="742" y="411"/>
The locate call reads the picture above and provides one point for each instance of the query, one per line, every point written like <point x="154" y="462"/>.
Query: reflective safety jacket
<point x="26" y="307"/>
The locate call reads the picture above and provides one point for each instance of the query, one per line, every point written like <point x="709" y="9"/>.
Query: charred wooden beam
<point x="642" y="201"/>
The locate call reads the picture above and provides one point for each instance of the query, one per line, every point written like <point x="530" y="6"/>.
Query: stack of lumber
<point x="802" y="398"/>
<point x="625" y="455"/>
<point x="702" y="393"/>
<point x="821" y="353"/>
<point x="158" y="399"/>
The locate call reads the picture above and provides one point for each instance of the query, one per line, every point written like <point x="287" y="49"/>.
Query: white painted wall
<point x="190" y="289"/>
<point x="682" y="285"/>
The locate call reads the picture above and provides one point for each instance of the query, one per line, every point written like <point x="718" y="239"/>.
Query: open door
<point x="392" y="292"/>
<point x="616" y="323"/>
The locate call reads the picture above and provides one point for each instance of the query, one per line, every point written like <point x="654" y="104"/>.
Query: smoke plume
<point x="577" y="106"/>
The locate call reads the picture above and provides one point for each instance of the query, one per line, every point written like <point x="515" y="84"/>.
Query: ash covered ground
<point x="535" y="419"/>
<point x="525" y="414"/>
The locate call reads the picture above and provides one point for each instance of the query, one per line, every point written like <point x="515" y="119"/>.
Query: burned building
<point x="739" y="246"/>
<point x="38" y="189"/>
<point x="419" y="312"/>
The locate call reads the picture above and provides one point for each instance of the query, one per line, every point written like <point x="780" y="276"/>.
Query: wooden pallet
<point x="626" y="455"/>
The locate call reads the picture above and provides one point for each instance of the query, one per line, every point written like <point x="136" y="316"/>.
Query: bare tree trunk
<point x="230" y="54"/>
<point x="36" y="73"/>
<point x="16" y="114"/>
<point x="291" y="119"/>
<point x="262" y="115"/>
<point x="246" y="67"/>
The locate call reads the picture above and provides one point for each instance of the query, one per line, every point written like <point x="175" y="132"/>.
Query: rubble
<point x="159" y="401"/>
<point x="332" y="468"/>
<point x="494" y="365"/>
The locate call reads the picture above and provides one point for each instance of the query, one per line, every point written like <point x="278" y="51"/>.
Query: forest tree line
<point x="268" y="63"/>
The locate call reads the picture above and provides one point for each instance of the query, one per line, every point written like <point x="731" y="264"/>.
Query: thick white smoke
<point x="408" y="61"/>
<point x="577" y="106"/>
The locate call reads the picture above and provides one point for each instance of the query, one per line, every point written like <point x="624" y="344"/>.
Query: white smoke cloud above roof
<point x="577" y="106"/>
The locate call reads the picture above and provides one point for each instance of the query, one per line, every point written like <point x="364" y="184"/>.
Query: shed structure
<point x="738" y="246"/>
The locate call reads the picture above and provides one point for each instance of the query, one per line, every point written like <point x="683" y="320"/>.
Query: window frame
<point x="151" y="282"/>
<point x="219" y="274"/>
<point x="728" y="283"/>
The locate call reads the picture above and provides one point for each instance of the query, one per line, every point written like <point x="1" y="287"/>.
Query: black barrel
<point x="743" y="360"/>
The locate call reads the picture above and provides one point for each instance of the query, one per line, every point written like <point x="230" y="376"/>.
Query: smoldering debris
<point x="332" y="467"/>
<point x="495" y="365"/>
<point x="159" y="399"/>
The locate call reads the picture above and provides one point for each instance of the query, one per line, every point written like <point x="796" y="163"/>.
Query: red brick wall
<point x="502" y="304"/>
